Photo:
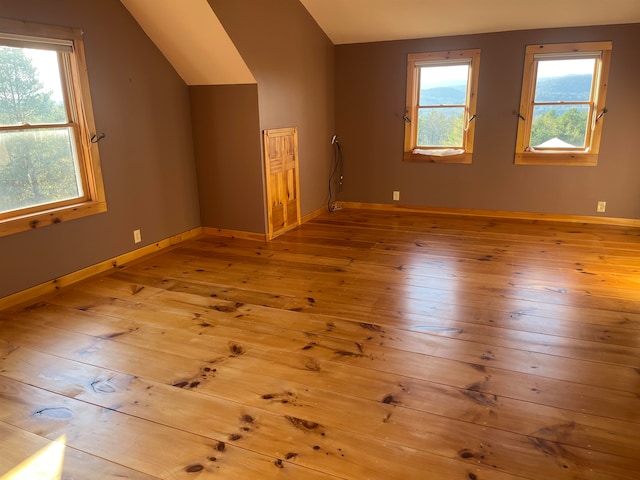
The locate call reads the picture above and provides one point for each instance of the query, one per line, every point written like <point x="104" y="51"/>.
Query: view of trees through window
<point x="561" y="109"/>
<point x="562" y="102"/>
<point x="441" y="105"/>
<point x="37" y="160"/>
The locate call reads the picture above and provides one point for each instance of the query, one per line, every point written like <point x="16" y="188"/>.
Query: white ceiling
<point x="192" y="38"/>
<point x="354" y="21"/>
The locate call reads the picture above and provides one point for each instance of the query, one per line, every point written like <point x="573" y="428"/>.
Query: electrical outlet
<point x="396" y="195"/>
<point x="137" y="236"/>
<point x="602" y="207"/>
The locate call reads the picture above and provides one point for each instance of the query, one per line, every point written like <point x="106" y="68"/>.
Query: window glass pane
<point x="444" y="85"/>
<point x="30" y="87"/>
<point x="440" y="127"/>
<point x="559" y="126"/>
<point x="567" y="80"/>
<point x="37" y="166"/>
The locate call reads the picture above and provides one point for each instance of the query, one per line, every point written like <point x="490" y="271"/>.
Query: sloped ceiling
<point x="191" y="37"/>
<point x="354" y="21"/>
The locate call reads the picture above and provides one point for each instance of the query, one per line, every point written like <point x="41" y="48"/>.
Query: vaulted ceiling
<point x="354" y="21"/>
<point x="192" y="38"/>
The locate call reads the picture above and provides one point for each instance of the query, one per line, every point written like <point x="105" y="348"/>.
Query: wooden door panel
<point x="277" y="218"/>
<point x="279" y="203"/>
<point x="291" y="185"/>
<point x="292" y="213"/>
<point x="274" y="155"/>
<point x="283" y="184"/>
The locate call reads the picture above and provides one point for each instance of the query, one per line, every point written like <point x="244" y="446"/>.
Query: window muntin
<point x="49" y="169"/>
<point x="38" y="157"/>
<point x="562" y="104"/>
<point x="563" y="95"/>
<point x="441" y="105"/>
<point x="440" y="112"/>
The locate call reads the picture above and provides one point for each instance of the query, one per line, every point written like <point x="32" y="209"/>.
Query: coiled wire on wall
<point x="338" y="166"/>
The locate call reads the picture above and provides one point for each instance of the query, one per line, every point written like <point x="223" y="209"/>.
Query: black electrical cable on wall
<point x="337" y="168"/>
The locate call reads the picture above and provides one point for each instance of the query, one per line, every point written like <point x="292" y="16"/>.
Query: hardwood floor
<point x="362" y="345"/>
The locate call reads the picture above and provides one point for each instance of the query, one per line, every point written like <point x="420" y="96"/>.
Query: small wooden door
<point x="282" y="179"/>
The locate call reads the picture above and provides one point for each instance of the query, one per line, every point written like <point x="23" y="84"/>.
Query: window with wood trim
<point x="562" y="106"/>
<point x="441" y="106"/>
<point x="49" y="163"/>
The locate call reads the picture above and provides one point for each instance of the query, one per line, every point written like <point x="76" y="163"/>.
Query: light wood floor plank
<point x="364" y="344"/>
<point x="441" y="320"/>
<point x="412" y="337"/>
<point x="166" y="452"/>
<point x="362" y="295"/>
<point x="19" y="445"/>
<point x="303" y="441"/>
<point x="376" y="345"/>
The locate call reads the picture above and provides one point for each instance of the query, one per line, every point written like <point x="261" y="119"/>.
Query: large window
<point x="49" y="166"/>
<point x="441" y="104"/>
<point x="562" y="106"/>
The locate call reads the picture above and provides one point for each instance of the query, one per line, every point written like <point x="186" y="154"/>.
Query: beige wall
<point x="293" y="62"/>
<point x="142" y="106"/>
<point x="370" y="102"/>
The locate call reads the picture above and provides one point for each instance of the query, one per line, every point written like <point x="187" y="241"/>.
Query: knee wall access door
<point x="282" y="179"/>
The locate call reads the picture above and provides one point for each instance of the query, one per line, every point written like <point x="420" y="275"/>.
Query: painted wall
<point x="370" y="102"/>
<point x="293" y="62"/>
<point x="226" y="135"/>
<point x="142" y="106"/>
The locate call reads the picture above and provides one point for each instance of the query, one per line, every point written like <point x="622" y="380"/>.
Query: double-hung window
<point x="441" y="106"/>
<point x="49" y="165"/>
<point x="562" y="106"/>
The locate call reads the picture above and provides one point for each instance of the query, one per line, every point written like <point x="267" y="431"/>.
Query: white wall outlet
<point x="137" y="236"/>
<point x="396" y="195"/>
<point x="602" y="207"/>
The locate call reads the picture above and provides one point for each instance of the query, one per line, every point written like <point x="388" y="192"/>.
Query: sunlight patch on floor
<point x="43" y="465"/>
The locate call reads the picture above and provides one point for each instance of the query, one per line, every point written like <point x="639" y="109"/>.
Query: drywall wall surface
<point x="292" y="61"/>
<point x="142" y="106"/>
<point x="370" y="102"/>
<point x="226" y="135"/>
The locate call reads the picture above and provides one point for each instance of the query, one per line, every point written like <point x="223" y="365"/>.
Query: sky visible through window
<point x="444" y="76"/>
<point x="563" y="67"/>
<point x="46" y="62"/>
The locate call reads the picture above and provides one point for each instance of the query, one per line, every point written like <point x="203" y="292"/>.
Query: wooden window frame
<point x="588" y="156"/>
<point x="75" y="83"/>
<point x="414" y="62"/>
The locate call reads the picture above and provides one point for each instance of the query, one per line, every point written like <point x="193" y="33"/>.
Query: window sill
<point x="464" y="158"/>
<point x="43" y="218"/>
<point x="574" y="159"/>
